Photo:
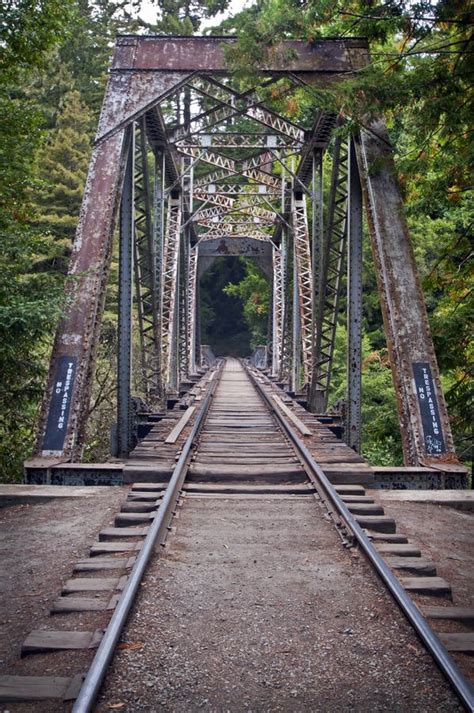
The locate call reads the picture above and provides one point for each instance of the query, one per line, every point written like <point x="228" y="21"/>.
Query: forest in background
<point x="53" y="68"/>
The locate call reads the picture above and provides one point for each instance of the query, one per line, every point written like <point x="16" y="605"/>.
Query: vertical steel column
<point x="317" y="254"/>
<point x="424" y="422"/>
<point x="173" y="384"/>
<point x="277" y="314"/>
<point x="296" y="341"/>
<point x="287" y="298"/>
<point x="183" y="317"/>
<point x="304" y="279"/>
<point x="354" y="303"/>
<point x="333" y="256"/>
<point x="145" y="269"/>
<point x="158" y="239"/>
<point x="192" y="308"/>
<point x="127" y="223"/>
<point x="197" y="323"/>
<point x="170" y="293"/>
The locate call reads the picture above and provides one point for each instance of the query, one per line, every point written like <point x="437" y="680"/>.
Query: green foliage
<point x="222" y="323"/>
<point x="50" y="52"/>
<point x="184" y="17"/>
<point x="254" y="292"/>
<point x="381" y="442"/>
<point x="29" y="302"/>
<point x="61" y="167"/>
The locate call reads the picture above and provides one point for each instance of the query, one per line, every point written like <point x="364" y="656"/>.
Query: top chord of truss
<point x="324" y="57"/>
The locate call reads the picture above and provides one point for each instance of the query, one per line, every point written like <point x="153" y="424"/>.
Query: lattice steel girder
<point x="226" y="202"/>
<point x="236" y="189"/>
<point x="220" y="231"/>
<point x="240" y="104"/>
<point x="229" y="223"/>
<point x="210" y="157"/>
<point x="330" y="273"/>
<point x="244" y="246"/>
<point x="169" y="300"/>
<point x="304" y="277"/>
<point x="287" y="337"/>
<point x="146" y="278"/>
<point x="425" y="427"/>
<point x="234" y="209"/>
<point x="192" y="315"/>
<point x="183" y="316"/>
<point x="230" y="140"/>
<point x="278" y="309"/>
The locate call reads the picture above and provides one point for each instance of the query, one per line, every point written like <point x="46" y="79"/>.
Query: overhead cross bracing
<point x="204" y="165"/>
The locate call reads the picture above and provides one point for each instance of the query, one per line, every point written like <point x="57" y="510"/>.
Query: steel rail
<point x="445" y="662"/>
<point x="157" y="532"/>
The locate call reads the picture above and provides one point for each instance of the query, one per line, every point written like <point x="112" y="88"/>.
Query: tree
<point x="184" y="17"/>
<point x="61" y="167"/>
<point x="254" y="293"/>
<point x="28" y="302"/>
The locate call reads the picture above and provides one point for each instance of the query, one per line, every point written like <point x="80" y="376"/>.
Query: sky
<point x="148" y="11"/>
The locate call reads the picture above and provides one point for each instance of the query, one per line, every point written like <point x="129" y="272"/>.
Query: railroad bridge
<point x="194" y="166"/>
<point x="283" y="537"/>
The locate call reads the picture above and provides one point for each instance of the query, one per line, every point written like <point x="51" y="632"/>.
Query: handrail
<point x="439" y="652"/>
<point x="91" y="686"/>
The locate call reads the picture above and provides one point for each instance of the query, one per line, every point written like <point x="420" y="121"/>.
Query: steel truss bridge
<point x="190" y="164"/>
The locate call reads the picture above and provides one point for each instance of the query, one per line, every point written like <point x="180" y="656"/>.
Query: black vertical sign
<point x="60" y="404"/>
<point x="433" y="434"/>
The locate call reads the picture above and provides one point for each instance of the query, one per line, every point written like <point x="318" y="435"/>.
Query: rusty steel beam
<point x="125" y="300"/>
<point x="63" y="415"/>
<point x="354" y="303"/>
<point x="424" y="422"/>
<point x="190" y="54"/>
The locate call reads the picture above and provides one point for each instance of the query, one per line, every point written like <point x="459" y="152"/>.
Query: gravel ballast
<point x="255" y="605"/>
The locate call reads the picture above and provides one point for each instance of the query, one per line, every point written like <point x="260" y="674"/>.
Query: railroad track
<point x="239" y="438"/>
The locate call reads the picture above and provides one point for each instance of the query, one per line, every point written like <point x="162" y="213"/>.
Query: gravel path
<point x="39" y="544"/>
<point x="256" y="606"/>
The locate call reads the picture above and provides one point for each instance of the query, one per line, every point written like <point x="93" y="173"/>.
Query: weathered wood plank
<point x="398" y="549"/>
<point x="129" y="518"/>
<point x="415" y="565"/>
<point x="365" y="509"/>
<point x="94" y="564"/>
<point x="461" y="642"/>
<point x="304" y="430"/>
<point x="175" y="433"/>
<point x="103" y="548"/>
<point x="113" y="532"/>
<point x="455" y="613"/>
<point x="39" y="688"/>
<point x="70" y="604"/>
<point x="436" y="586"/>
<point x="386" y="536"/>
<point x="92" y="584"/>
<point x="39" y="641"/>
<point x="380" y="523"/>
